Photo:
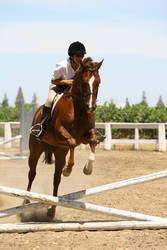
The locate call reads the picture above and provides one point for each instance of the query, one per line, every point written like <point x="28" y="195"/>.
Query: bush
<point x="135" y="113"/>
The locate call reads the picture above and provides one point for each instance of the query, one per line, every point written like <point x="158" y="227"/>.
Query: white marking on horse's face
<point x="91" y="81"/>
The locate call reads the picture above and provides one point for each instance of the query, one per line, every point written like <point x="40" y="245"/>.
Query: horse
<point x="72" y="123"/>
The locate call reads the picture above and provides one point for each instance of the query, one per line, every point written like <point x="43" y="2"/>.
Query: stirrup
<point x="101" y="138"/>
<point x="36" y="130"/>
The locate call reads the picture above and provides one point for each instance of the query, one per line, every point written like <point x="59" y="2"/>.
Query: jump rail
<point x="81" y="226"/>
<point x="9" y="156"/>
<point x="141" y="220"/>
<point x="8" y="126"/>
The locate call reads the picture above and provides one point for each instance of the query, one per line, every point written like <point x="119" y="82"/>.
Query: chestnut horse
<point x="72" y="123"/>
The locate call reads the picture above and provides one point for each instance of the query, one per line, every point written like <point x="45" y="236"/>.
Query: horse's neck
<point x="76" y="87"/>
<point x="77" y="96"/>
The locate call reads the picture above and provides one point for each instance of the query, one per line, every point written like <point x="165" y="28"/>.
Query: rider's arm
<point x="61" y="82"/>
<point x="59" y="76"/>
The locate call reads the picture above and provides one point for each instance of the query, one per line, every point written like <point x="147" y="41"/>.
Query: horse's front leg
<point x="68" y="168"/>
<point x="92" y="140"/>
<point x="67" y="136"/>
<point x="88" y="168"/>
<point x="92" y="137"/>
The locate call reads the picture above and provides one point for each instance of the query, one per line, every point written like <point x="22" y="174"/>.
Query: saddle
<point x="39" y="128"/>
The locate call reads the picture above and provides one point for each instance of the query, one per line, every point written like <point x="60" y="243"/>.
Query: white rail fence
<point x="109" y="141"/>
<point x="136" y="220"/>
<point x="8" y="139"/>
<point x="8" y="126"/>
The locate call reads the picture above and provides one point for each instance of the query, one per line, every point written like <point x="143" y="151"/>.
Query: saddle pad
<point x="57" y="97"/>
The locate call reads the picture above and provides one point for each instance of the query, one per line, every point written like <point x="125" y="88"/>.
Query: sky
<point x="130" y="35"/>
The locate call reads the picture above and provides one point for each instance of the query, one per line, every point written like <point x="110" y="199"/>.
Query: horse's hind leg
<point x="36" y="150"/>
<point x="60" y="158"/>
<point x="68" y="169"/>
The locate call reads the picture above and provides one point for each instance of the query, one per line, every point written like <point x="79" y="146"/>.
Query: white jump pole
<point x="81" y="226"/>
<point x="50" y="200"/>
<point x="20" y="209"/>
<point x="115" y="185"/>
<point x="18" y="137"/>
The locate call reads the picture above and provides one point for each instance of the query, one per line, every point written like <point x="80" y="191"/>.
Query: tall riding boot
<point x="46" y="115"/>
<point x="39" y="129"/>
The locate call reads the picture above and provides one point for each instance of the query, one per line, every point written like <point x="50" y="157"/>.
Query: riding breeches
<point x="51" y="95"/>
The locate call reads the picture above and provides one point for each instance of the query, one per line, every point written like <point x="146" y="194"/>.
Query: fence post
<point x="136" y="138"/>
<point x="161" y="137"/>
<point x="7" y="134"/>
<point x="107" y="142"/>
<point x="25" y="125"/>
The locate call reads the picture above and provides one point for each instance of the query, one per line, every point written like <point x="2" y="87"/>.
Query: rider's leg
<point x="46" y="115"/>
<point x="39" y="129"/>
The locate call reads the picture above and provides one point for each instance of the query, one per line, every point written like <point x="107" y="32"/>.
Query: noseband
<point x="90" y="93"/>
<point x="92" y="70"/>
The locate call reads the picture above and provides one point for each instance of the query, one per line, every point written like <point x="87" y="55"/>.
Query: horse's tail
<point x="48" y="157"/>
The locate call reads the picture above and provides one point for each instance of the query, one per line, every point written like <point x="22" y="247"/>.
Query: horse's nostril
<point x="94" y="107"/>
<point x="87" y="106"/>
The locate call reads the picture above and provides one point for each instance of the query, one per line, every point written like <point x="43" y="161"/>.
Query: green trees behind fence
<point x="109" y="112"/>
<point x="104" y="113"/>
<point x="134" y="113"/>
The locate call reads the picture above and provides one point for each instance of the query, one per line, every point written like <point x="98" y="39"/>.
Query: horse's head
<point x="90" y="81"/>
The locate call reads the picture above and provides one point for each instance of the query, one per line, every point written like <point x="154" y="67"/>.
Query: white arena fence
<point x="8" y="139"/>
<point x="6" y="156"/>
<point x="109" y="141"/>
<point x="8" y="126"/>
<point x="135" y="220"/>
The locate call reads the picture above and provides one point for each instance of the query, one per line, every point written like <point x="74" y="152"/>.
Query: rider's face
<point x="77" y="58"/>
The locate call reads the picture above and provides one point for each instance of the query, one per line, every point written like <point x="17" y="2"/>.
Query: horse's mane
<point x="88" y="62"/>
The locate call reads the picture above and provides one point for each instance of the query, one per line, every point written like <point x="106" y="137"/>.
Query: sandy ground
<point x="110" y="166"/>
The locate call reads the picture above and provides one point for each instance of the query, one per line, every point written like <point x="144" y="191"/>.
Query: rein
<point x="90" y="93"/>
<point x="82" y="98"/>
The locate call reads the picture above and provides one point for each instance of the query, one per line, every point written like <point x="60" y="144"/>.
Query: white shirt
<point x="63" y="71"/>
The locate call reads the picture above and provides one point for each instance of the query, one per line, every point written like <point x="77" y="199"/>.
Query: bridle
<point x="83" y="97"/>
<point x="92" y="70"/>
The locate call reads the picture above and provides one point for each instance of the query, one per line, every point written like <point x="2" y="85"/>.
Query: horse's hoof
<point x="26" y="201"/>
<point x="51" y="213"/>
<point x="87" y="171"/>
<point x="65" y="172"/>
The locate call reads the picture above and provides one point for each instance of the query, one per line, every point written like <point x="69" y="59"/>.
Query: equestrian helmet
<point x="76" y="48"/>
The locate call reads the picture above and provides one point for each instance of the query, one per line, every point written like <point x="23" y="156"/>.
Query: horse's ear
<point x="99" y="64"/>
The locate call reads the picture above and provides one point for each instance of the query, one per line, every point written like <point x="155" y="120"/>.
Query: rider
<point x="61" y="80"/>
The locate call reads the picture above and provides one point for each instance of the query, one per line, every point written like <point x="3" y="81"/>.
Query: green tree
<point x="127" y="104"/>
<point x="144" y="99"/>
<point x="9" y="114"/>
<point x="160" y="102"/>
<point x="19" y="97"/>
<point x="5" y="102"/>
<point x="34" y="99"/>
